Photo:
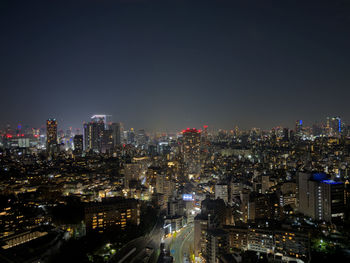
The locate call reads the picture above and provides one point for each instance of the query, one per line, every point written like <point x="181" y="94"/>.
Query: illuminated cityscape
<point x="174" y="131"/>
<point x="210" y="195"/>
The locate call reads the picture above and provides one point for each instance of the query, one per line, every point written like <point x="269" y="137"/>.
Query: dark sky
<point x="170" y="64"/>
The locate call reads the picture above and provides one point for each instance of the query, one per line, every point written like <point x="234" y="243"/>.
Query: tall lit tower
<point x="116" y="133"/>
<point x="205" y="132"/>
<point x="93" y="133"/>
<point x="51" y="134"/>
<point x="191" y="152"/>
<point x="298" y="127"/>
<point x="334" y="126"/>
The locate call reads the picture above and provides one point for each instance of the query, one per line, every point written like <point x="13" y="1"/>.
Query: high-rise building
<point x="320" y="198"/>
<point x="191" y="152"/>
<point x="334" y="126"/>
<point x="131" y="136"/>
<point x="141" y="138"/>
<point x="200" y="232"/>
<point x="93" y="134"/>
<point x="101" y="117"/>
<point x="78" y="144"/>
<point x="116" y="133"/>
<point x="51" y="134"/>
<point x="165" y="185"/>
<point x="298" y="127"/>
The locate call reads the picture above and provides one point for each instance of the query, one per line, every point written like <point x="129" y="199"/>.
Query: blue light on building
<point x="319" y="176"/>
<point x="330" y="182"/>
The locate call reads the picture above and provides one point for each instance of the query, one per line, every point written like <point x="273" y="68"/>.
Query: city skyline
<point x="62" y="126"/>
<point x="174" y="131"/>
<point x="173" y="64"/>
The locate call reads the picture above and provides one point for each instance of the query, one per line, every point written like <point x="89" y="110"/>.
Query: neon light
<point x="187" y="197"/>
<point x="301" y="122"/>
<point x="331" y="182"/>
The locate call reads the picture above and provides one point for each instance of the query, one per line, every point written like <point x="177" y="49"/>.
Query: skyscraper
<point x="298" y="127"/>
<point x="93" y="133"/>
<point x="191" y="152"/>
<point x="116" y="133"/>
<point x="101" y="117"/>
<point x="51" y="134"/>
<point x="78" y="144"/>
<point x="334" y="126"/>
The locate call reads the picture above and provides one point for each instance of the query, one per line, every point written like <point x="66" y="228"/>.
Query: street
<point x="180" y="245"/>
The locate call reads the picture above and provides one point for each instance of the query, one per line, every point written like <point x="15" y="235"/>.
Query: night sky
<point x="172" y="64"/>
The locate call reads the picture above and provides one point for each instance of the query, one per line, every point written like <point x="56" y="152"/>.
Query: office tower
<point x="51" y="135"/>
<point x="205" y="132"/>
<point x="334" y="126"/>
<point x="191" y="152"/>
<point x="298" y="127"/>
<point x="107" y="141"/>
<point x="93" y="134"/>
<point x="101" y="117"/>
<point x="141" y="138"/>
<point x="116" y="133"/>
<point x="320" y="198"/>
<point x="78" y="144"/>
<point x="131" y="136"/>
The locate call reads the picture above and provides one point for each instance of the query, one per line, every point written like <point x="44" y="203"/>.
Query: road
<point x="181" y="244"/>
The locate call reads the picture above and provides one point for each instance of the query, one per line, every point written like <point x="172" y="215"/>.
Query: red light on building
<point x="8" y="136"/>
<point x="191" y="130"/>
<point x="205" y="126"/>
